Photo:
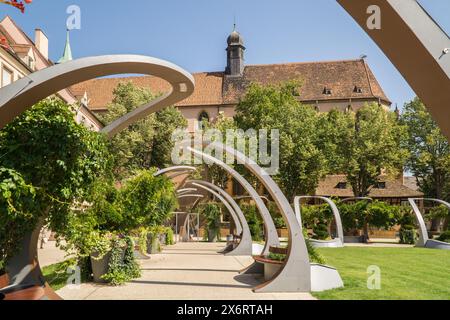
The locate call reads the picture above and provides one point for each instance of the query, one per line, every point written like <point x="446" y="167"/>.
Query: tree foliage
<point x="58" y="157"/>
<point x="302" y="164"/>
<point x="368" y="145"/>
<point x="146" y="143"/>
<point x="429" y="151"/>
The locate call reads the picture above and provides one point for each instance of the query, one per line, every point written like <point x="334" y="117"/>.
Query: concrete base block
<point x="257" y="249"/>
<point x="324" y="278"/>
<point x="335" y="243"/>
<point x="435" y="244"/>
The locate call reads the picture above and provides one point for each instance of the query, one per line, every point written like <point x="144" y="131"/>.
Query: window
<point x="202" y="118"/>
<point x="7" y="77"/>
<point x="327" y="91"/>
<point x="341" y="185"/>
<point x="358" y="89"/>
<point x="380" y="185"/>
<point x="238" y="189"/>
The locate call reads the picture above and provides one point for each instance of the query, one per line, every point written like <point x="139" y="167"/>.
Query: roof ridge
<point x="303" y="62"/>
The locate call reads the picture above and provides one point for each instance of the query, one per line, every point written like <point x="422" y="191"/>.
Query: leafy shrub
<point x="170" y="240"/>
<point x="211" y="213"/>
<point x="122" y="270"/>
<point x="320" y="230"/>
<point x="445" y="237"/>
<point x="408" y="234"/>
<point x="279" y="223"/>
<point x="254" y="221"/>
<point x="17" y="215"/>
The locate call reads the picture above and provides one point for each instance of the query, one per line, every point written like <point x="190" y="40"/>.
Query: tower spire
<point x="67" y="55"/>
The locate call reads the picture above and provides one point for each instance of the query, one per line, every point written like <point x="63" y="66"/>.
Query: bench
<point x="271" y="267"/>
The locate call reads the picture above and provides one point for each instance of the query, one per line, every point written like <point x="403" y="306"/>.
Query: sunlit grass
<point x="406" y="273"/>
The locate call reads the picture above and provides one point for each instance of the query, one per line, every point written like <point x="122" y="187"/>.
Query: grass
<point x="406" y="273"/>
<point x="57" y="274"/>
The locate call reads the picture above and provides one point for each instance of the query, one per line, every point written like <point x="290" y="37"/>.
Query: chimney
<point x="41" y="42"/>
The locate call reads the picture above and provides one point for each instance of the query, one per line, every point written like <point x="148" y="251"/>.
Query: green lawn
<point x="406" y="273"/>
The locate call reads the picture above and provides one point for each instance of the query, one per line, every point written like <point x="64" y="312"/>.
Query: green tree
<point x="370" y="147"/>
<point x="60" y="158"/>
<point x="146" y="143"/>
<point x="429" y="151"/>
<point x="276" y="107"/>
<point x="146" y="200"/>
<point x="17" y="212"/>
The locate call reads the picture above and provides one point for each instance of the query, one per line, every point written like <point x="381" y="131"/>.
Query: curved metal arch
<point x="190" y="196"/>
<point x="180" y="192"/>
<point x="21" y="95"/>
<point x="226" y="204"/>
<point x="24" y="93"/>
<point x="424" y="240"/>
<point x="244" y="247"/>
<point x="177" y="169"/>
<point x="335" y="243"/>
<point x="416" y="45"/>
<point x="271" y="235"/>
<point x="295" y="274"/>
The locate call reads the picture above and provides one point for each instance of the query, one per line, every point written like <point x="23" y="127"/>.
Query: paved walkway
<point x="186" y="271"/>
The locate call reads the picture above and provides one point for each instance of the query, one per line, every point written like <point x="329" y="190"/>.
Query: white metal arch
<point x="244" y="247"/>
<point x="424" y="240"/>
<point x="335" y="243"/>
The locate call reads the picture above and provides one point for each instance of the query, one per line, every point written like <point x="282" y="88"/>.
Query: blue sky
<point x="192" y="33"/>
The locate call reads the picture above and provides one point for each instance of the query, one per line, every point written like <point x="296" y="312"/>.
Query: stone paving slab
<point x="186" y="271"/>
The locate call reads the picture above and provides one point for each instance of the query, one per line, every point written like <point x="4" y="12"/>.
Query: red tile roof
<point x="328" y="187"/>
<point x="215" y="88"/>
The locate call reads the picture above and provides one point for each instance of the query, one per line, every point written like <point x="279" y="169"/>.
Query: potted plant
<point x="100" y="255"/>
<point x="211" y="212"/>
<point x="153" y="240"/>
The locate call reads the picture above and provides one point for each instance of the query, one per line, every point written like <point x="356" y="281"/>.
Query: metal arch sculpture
<point x="424" y="241"/>
<point x="244" y="248"/>
<point x="176" y="169"/>
<point x="24" y="93"/>
<point x="416" y="45"/>
<point x="183" y="191"/>
<point x="226" y="204"/>
<point x="335" y="243"/>
<point x="295" y="274"/>
<point x="271" y="235"/>
<point x="23" y="269"/>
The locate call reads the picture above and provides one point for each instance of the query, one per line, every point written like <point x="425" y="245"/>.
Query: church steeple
<point x="235" y="54"/>
<point x="67" y="55"/>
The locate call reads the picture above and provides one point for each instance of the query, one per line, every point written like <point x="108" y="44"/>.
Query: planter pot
<point x="352" y="239"/>
<point x="153" y="244"/>
<point x="283" y="233"/>
<point x="212" y="236"/>
<point x="100" y="266"/>
<point x="163" y="239"/>
<point x="4" y="280"/>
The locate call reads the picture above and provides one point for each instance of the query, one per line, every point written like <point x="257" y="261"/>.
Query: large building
<point x="20" y="56"/>
<point x="344" y="84"/>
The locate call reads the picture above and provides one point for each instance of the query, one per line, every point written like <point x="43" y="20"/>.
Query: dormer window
<point x="327" y="91"/>
<point x="341" y="185"/>
<point x="358" y="89"/>
<point x="202" y="119"/>
<point x="380" y="185"/>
